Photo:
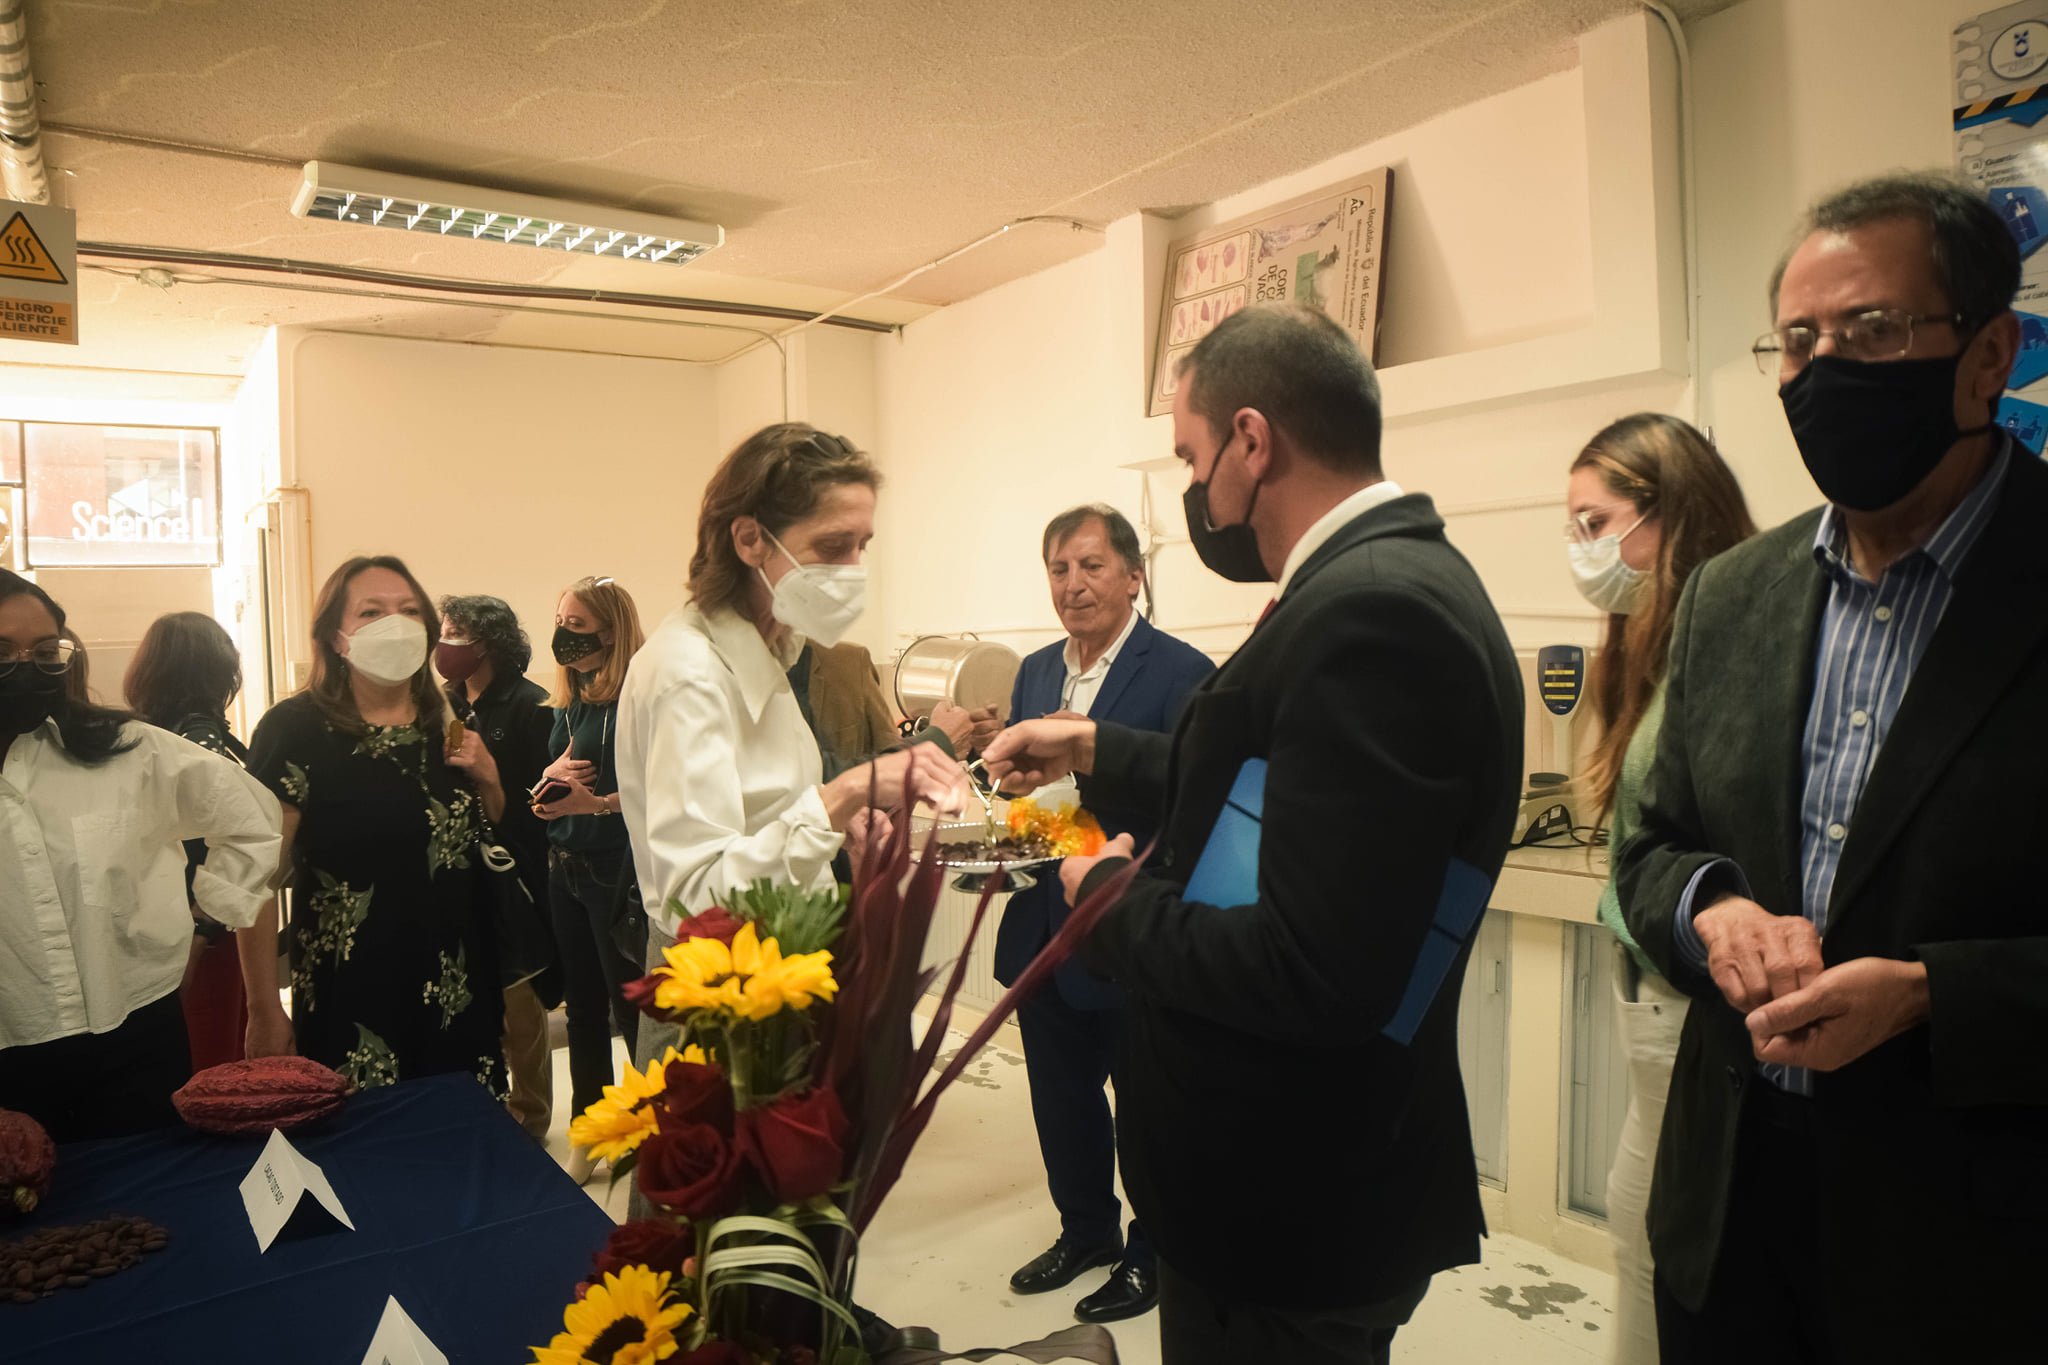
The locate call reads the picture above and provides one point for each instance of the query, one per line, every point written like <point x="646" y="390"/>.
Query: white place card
<point x="273" y="1189"/>
<point x="399" y="1341"/>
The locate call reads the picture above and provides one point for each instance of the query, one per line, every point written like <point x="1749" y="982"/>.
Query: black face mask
<point x="572" y="646"/>
<point x="1230" y="551"/>
<point x="1870" y="431"/>
<point x="28" y="697"/>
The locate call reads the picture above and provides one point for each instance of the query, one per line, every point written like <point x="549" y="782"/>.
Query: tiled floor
<point x="972" y="1207"/>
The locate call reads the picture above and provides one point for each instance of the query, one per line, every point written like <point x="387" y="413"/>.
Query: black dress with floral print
<point x="393" y="970"/>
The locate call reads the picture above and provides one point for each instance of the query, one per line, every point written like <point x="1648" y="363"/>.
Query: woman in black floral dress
<point x="394" y="974"/>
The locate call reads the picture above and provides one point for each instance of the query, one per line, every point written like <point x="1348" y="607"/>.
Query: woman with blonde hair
<point x="597" y="633"/>
<point x="1649" y="502"/>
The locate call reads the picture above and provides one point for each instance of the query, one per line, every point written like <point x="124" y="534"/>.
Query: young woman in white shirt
<point x="94" y="919"/>
<point x="719" y="776"/>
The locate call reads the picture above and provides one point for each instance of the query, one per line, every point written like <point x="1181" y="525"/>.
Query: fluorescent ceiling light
<point x="347" y="194"/>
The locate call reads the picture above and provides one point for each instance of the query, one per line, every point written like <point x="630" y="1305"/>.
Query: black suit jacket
<point x="1933" y="1148"/>
<point x="1279" y="1147"/>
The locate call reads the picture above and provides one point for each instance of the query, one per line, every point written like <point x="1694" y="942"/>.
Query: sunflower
<point x="627" y="1320"/>
<point x="623" y="1119"/>
<point x="749" y="977"/>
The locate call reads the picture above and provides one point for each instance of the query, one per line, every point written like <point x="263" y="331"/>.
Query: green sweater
<point x="1628" y="813"/>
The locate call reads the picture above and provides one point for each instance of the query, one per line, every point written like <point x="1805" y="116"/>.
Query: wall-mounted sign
<point x="38" y="273"/>
<point x="1326" y="249"/>
<point x="121" y="496"/>
<point x="2001" y="94"/>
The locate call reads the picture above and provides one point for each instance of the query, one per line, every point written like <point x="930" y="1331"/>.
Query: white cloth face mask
<point x="389" y="650"/>
<point x="818" y="601"/>
<point x="1602" y="578"/>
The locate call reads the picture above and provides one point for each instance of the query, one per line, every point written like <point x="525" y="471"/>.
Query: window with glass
<point x="10" y="453"/>
<point x="120" y="496"/>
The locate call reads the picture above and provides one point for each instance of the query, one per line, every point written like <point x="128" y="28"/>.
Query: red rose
<point x="696" y="1092"/>
<point x="660" y="1244"/>
<point x="717" y="1353"/>
<point x="640" y="995"/>
<point x="794" y="1143"/>
<point x="690" y="1170"/>
<point x="717" y="922"/>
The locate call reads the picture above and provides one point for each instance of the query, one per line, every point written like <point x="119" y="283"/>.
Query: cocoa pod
<point x="257" y="1095"/>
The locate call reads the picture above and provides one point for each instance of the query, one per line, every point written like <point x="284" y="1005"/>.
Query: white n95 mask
<point x="1602" y="578"/>
<point x="818" y="601"/>
<point x="389" y="650"/>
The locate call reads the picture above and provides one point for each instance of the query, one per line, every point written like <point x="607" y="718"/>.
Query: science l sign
<point x="38" y="273"/>
<point x="122" y="497"/>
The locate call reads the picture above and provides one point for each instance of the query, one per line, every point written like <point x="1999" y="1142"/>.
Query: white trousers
<point x="1648" y="1015"/>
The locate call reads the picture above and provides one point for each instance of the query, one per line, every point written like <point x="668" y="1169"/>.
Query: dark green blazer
<point x="1933" y="1148"/>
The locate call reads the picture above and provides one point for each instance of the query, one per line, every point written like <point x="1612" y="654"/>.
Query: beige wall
<point x="502" y="471"/>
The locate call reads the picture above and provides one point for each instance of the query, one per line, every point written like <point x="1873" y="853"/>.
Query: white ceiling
<point x="842" y="144"/>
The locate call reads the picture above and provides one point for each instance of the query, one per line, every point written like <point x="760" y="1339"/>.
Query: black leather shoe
<point x="1133" y="1288"/>
<point x="1059" y="1265"/>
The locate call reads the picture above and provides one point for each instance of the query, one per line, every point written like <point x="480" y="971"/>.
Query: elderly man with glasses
<point x="1841" y="854"/>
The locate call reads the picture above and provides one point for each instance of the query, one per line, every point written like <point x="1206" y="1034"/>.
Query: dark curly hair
<point x="491" y="622"/>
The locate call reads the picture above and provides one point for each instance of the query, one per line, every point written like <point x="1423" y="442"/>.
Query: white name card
<point x="399" y="1341"/>
<point x="273" y="1189"/>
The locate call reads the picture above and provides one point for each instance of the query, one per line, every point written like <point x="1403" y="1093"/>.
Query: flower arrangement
<point x="769" y="1133"/>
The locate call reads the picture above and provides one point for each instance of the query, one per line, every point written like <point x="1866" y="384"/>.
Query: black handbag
<point x="628" y="920"/>
<point x="526" y="945"/>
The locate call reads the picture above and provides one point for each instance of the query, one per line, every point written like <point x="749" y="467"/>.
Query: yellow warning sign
<point x="35" y="320"/>
<point x="23" y="255"/>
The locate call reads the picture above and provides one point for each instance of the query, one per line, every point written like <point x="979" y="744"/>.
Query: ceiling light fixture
<point x="347" y="194"/>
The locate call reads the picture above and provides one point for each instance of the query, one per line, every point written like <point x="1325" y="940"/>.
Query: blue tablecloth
<point x="457" y="1212"/>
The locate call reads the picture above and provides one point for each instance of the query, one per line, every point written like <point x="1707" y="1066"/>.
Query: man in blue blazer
<point x="1113" y="665"/>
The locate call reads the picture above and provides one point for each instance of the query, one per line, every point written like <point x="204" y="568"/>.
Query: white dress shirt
<point x="94" y="922"/>
<point x="1333" y="521"/>
<point x="1083" y="686"/>
<point x="718" y="773"/>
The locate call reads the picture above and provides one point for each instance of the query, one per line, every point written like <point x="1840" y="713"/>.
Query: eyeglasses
<point x="1880" y="334"/>
<point x="1583" y="528"/>
<point x="51" y="656"/>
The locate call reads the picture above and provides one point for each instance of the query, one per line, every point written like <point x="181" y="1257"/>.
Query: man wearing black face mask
<point x="1337" y="799"/>
<point x="1840" y="853"/>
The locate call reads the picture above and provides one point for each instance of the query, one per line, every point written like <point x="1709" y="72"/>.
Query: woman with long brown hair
<point x="1649" y="502"/>
<point x="597" y="633"/>
<point x="394" y="968"/>
<point x="184" y="676"/>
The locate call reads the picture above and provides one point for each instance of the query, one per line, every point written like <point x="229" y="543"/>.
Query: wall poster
<point x="1326" y="249"/>
<point x="2000" y="61"/>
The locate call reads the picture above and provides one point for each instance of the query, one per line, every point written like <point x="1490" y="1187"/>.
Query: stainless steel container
<point x="962" y="670"/>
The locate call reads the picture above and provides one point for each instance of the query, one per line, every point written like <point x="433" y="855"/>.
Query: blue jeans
<point x="580" y="887"/>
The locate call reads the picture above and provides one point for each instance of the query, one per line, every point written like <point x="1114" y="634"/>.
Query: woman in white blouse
<point x="94" y="922"/>
<point x="719" y="775"/>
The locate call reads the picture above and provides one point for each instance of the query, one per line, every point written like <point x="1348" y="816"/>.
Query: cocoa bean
<point x="102" y="1270"/>
<point x="77" y="1281"/>
<point x="22" y="1275"/>
<point x="21" y="1296"/>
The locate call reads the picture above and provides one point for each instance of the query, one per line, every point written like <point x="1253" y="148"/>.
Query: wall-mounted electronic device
<point x="1546" y="812"/>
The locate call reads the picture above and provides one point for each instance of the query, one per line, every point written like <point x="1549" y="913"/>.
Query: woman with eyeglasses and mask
<point x="183" y="678"/>
<point x="597" y="633"/>
<point x="720" y="778"/>
<point x="95" y="807"/>
<point x="394" y="967"/>
<point x="1649" y="501"/>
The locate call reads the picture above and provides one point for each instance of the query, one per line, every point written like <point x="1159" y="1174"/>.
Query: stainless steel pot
<point x="965" y="671"/>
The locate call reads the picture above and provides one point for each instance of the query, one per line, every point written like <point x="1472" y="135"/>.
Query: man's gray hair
<point x="1123" y="538"/>
<point x="1976" y="262"/>
<point x="1296" y="366"/>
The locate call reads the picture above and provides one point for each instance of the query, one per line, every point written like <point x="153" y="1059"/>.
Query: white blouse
<point x="718" y="773"/>
<point x="93" y="917"/>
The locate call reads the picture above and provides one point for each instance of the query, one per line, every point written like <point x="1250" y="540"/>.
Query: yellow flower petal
<point x="623" y="1119"/>
<point x="632" y="1304"/>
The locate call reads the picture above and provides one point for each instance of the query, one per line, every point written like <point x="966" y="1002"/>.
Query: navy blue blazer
<point x="1151" y="678"/>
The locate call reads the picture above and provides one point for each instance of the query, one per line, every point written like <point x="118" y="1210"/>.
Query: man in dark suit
<point x="1113" y="665"/>
<point x="1335" y="803"/>
<point x="1841" y="855"/>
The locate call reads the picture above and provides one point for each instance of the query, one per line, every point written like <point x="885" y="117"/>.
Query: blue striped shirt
<point x="1872" y="638"/>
